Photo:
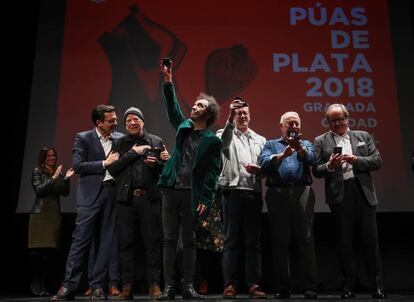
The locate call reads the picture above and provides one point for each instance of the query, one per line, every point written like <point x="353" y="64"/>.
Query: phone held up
<point x="166" y="62"/>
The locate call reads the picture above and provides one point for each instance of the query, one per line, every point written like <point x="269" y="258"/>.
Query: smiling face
<point x="134" y="125"/>
<point x="242" y="118"/>
<point x="338" y="120"/>
<point x="289" y="121"/>
<point x="108" y="125"/>
<point x="50" y="159"/>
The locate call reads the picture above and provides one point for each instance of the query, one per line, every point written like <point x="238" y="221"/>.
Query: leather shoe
<point x="310" y="294"/>
<point x="64" y="294"/>
<point x="98" y="294"/>
<point x="255" y="292"/>
<point x="282" y="294"/>
<point x="229" y="292"/>
<point x="114" y="291"/>
<point x="126" y="293"/>
<point x="168" y="293"/>
<point x="88" y="292"/>
<point x="154" y="291"/>
<point x="379" y="294"/>
<point x="347" y="294"/>
<point x="203" y="287"/>
<point x="189" y="293"/>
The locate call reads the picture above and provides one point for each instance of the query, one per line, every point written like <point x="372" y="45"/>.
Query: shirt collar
<point x="345" y="135"/>
<point x="101" y="137"/>
<point x="239" y="133"/>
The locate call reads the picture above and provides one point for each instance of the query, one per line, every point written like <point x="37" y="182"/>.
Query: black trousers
<point x="291" y="221"/>
<point x="145" y="215"/>
<point x="355" y="214"/>
<point x="241" y="217"/>
<point x="177" y="215"/>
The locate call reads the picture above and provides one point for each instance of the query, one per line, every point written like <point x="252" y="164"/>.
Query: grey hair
<point x="334" y="106"/>
<point x="287" y="114"/>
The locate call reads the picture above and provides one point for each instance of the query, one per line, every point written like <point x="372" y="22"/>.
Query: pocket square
<point x="360" y="144"/>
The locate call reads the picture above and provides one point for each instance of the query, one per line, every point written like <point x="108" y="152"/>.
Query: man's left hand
<point x="350" y="159"/>
<point x="253" y="169"/>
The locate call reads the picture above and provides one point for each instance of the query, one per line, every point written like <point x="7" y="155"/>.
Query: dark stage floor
<point x="294" y="298"/>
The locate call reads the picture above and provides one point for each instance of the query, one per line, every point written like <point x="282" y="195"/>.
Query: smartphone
<point x="154" y="152"/>
<point x="166" y="62"/>
<point x="337" y="150"/>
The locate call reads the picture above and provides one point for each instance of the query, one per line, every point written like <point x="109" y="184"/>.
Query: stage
<point x="363" y="297"/>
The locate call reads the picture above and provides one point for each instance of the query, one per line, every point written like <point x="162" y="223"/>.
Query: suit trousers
<point x="93" y="222"/>
<point x="142" y="214"/>
<point x="355" y="214"/>
<point x="291" y="212"/>
<point x="241" y="218"/>
<point x="177" y="215"/>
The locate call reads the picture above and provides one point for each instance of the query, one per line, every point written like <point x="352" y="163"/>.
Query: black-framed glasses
<point x="337" y="120"/>
<point x="111" y="121"/>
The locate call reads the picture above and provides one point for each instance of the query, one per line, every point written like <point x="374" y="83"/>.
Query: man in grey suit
<point x="345" y="158"/>
<point x="95" y="204"/>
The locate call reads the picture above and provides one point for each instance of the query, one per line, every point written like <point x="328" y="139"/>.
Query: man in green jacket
<point x="189" y="180"/>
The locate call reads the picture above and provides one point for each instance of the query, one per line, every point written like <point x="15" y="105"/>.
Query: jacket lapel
<point x="354" y="142"/>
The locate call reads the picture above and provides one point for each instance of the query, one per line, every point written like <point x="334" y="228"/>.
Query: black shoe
<point x="168" y="293"/>
<point x="379" y="294"/>
<point x="310" y="294"/>
<point x="189" y="293"/>
<point x="347" y="294"/>
<point x="64" y="294"/>
<point x="282" y="294"/>
<point x="98" y="294"/>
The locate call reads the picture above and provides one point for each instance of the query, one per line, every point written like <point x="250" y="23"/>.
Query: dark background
<point x="396" y="230"/>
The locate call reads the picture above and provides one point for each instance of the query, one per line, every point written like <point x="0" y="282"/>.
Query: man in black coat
<point x="137" y="170"/>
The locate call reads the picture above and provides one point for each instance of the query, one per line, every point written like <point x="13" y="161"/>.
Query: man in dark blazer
<point x="189" y="179"/>
<point x="345" y="158"/>
<point x="95" y="203"/>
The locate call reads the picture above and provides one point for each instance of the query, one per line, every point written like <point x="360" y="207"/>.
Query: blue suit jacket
<point x="88" y="155"/>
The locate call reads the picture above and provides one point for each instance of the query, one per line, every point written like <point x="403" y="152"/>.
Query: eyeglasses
<point x="337" y="121"/>
<point x="111" y="121"/>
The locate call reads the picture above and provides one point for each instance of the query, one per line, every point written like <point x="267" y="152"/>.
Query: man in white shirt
<point x="240" y="182"/>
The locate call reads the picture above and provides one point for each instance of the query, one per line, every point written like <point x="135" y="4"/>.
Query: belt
<point x="139" y="192"/>
<point x="108" y="183"/>
<point x="353" y="179"/>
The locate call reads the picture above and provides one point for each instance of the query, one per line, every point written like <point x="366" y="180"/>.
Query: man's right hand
<point x="140" y="150"/>
<point x="111" y="158"/>
<point x="236" y="104"/>
<point x="335" y="161"/>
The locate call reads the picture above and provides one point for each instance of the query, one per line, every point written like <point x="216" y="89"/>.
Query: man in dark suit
<point x="345" y="158"/>
<point x="189" y="180"/>
<point x="95" y="203"/>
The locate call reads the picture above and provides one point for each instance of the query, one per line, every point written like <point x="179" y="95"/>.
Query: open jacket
<point x="44" y="185"/>
<point x="369" y="159"/>
<point x="206" y="164"/>
<point x="230" y="173"/>
<point x="121" y="169"/>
